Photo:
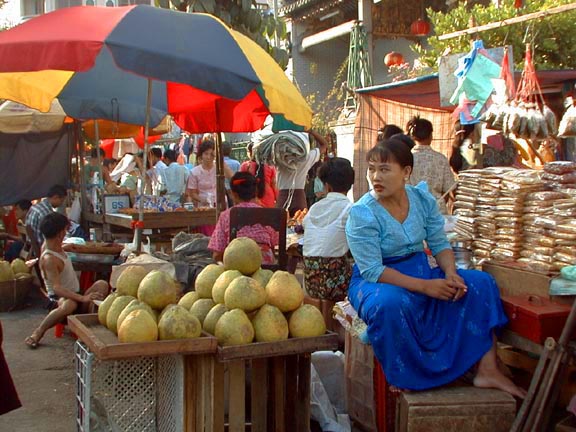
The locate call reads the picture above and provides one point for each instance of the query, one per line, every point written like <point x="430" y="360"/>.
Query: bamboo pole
<point x="510" y="21"/>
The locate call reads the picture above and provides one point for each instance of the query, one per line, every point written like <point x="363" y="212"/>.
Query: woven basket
<point x="13" y="293"/>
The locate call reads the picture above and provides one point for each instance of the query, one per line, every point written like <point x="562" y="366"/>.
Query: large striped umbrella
<point x="135" y="64"/>
<point x="98" y="61"/>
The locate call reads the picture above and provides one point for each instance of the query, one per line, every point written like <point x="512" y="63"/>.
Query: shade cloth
<point x="32" y="163"/>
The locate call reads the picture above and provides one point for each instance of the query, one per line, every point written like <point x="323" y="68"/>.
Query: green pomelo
<point x="243" y="254"/>
<point x="234" y="328"/>
<point x="129" y="280"/>
<point x="6" y="272"/>
<point x="206" y="279"/>
<point x="105" y="307"/>
<point x="222" y="283"/>
<point x="284" y="291"/>
<point x="137" y="327"/>
<point x="19" y="266"/>
<point x="262" y="276"/>
<point x="212" y="318"/>
<point x="270" y="325"/>
<point x="115" y="310"/>
<point x="306" y="321"/>
<point x="158" y="289"/>
<point x="201" y="307"/>
<point x="244" y="293"/>
<point x="133" y="305"/>
<point x="178" y="323"/>
<point x="188" y="299"/>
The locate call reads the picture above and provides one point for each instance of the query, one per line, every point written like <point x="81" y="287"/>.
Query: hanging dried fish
<point x="551" y="121"/>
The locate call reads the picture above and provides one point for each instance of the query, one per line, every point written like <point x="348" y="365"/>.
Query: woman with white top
<point x="327" y="270"/>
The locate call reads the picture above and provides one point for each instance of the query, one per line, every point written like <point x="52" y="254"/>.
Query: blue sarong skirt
<point x="422" y="342"/>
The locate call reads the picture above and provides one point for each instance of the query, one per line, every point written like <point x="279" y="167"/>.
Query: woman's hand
<point x="439" y="288"/>
<point x="457" y="282"/>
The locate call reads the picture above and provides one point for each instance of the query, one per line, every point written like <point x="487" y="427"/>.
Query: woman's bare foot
<point x="494" y="378"/>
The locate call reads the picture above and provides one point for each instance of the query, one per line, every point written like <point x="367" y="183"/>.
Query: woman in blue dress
<point x="427" y="326"/>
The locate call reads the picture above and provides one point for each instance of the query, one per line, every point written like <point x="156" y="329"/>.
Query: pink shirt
<point x="265" y="236"/>
<point x="204" y="181"/>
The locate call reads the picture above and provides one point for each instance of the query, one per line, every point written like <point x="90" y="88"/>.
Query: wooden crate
<point x="105" y="345"/>
<point x="515" y="281"/>
<point x="278" y="394"/>
<point x="456" y="409"/>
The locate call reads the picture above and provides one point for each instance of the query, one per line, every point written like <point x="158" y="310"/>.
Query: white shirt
<point x="154" y="174"/>
<point x="174" y="179"/>
<point x="287" y="179"/>
<point x="324" y="227"/>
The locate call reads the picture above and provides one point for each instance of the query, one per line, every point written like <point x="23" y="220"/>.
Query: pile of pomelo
<point x="238" y="302"/>
<point x="17" y="269"/>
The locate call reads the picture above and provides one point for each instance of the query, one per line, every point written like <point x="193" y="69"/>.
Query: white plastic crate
<point x="144" y="394"/>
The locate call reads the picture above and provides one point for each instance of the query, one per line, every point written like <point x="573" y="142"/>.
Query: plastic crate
<point x="142" y="395"/>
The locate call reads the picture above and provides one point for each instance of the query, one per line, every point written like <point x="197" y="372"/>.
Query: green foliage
<point x="553" y="37"/>
<point x="328" y="109"/>
<point x="242" y="16"/>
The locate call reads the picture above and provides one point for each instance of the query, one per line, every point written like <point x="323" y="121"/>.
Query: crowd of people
<point x="428" y="325"/>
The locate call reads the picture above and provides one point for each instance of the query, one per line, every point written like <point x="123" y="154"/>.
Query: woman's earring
<point x="406" y="179"/>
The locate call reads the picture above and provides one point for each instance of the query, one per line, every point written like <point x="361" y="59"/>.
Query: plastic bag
<point x="560" y="167"/>
<point x="75" y="213"/>
<point x="567" y="125"/>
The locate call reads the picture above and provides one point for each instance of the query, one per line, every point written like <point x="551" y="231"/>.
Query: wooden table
<point x="177" y="219"/>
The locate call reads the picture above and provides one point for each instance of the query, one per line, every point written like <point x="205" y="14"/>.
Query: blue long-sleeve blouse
<point x="373" y="234"/>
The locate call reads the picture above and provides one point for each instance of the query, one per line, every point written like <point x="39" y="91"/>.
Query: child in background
<point x="327" y="271"/>
<point x="243" y="187"/>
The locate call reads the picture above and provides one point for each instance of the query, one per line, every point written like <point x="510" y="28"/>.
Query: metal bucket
<point x="463" y="258"/>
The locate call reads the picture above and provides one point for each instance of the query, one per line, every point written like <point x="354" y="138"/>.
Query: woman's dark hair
<point x="156" y="152"/>
<point x="387" y="132"/>
<point x="52" y="224"/>
<point x="461" y="132"/>
<point x="338" y="173"/>
<point x="108" y="162"/>
<point x="405" y="139"/>
<point x="392" y="150"/>
<point x="419" y="128"/>
<point x="244" y="185"/>
<point x="204" y="147"/>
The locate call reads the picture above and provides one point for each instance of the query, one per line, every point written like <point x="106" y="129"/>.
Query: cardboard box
<point x="456" y="409"/>
<point x="514" y="281"/>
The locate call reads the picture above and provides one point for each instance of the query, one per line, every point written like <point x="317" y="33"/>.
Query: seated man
<point x="60" y="278"/>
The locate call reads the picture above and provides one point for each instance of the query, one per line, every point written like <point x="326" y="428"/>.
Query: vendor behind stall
<point x="173" y="178"/>
<point x="243" y="187"/>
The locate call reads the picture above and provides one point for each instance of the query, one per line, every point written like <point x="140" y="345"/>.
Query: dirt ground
<point x="44" y="378"/>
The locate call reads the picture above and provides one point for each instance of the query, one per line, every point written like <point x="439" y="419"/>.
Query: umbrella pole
<point x="97" y="137"/>
<point x="139" y="226"/>
<point x="220" y="191"/>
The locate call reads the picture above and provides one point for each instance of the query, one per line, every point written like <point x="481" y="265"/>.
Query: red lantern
<point x="420" y="27"/>
<point x="393" y="59"/>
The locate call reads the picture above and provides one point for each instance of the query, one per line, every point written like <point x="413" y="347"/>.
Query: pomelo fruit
<point x="138" y="326"/>
<point x="6" y="272"/>
<point x="262" y="276"/>
<point x="178" y="323"/>
<point x="306" y="321"/>
<point x="188" y="299"/>
<point x="115" y="310"/>
<point x="222" y="283"/>
<point x="105" y="307"/>
<point x="206" y="278"/>
<point x="284" y="291"/>
<point x="129" y="280"/>
<point x="244" y="293"/>
<point x="133" y="305"/>
<point x="19" y="266"/>
<point x="201" y="307"/>
<point x="209" y="324"/>
<point x="243" y="254"/>
<point x="234" y="328"/>
<point x="270" y="325"/>
<point x="158" y="289"/>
